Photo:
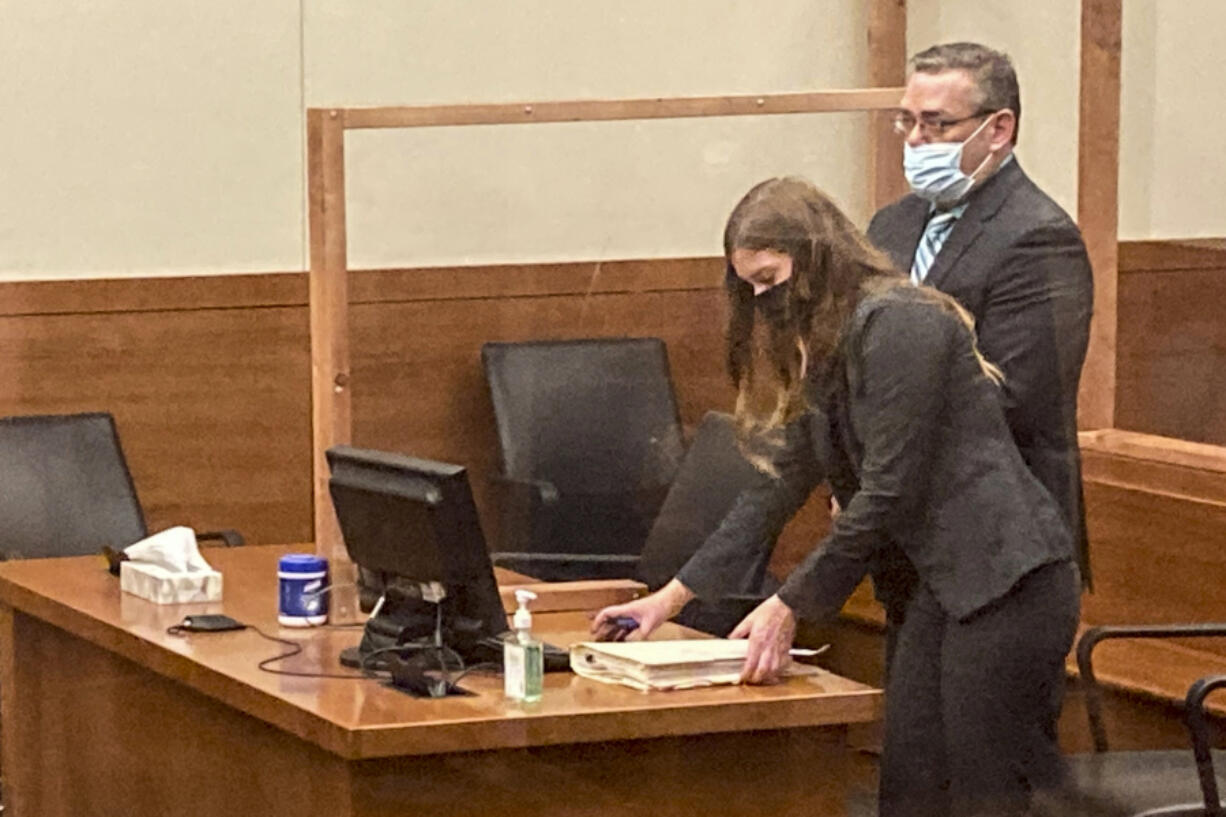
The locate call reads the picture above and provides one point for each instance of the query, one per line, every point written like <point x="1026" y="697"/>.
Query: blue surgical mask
<point x="934" y="170"/>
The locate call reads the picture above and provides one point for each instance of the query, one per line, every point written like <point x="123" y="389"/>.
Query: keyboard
<point x="555" y="658"/>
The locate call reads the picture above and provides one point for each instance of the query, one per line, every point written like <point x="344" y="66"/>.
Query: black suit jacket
<point x="921" y="458"/>
<point x="1017" y="262"/>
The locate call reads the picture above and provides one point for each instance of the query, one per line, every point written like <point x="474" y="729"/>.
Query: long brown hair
<point x="833" y="267"/>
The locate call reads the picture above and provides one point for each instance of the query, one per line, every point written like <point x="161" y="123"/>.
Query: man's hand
<point x="770" y="628"/>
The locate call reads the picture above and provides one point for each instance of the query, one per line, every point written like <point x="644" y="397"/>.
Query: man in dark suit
<point x="976" y="227"/>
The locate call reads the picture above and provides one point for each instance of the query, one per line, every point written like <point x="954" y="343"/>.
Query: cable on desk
<point x="484" y="666"/>
<point x="368" y="673"/>
<point x="295" y="648"/>
<point x="217" y="623"/>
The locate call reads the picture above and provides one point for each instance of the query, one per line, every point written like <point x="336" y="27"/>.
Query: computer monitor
<point x="410" y="524"/>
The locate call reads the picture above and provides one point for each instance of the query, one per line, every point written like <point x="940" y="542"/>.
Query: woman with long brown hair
<point x="846" y="371"/>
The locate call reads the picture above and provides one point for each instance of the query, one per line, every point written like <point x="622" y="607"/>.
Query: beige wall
<point x="147" y="138"/>
<point x="579" y="191"/>
<point x="1172" y="164"/>
<point x="154" y="138"/>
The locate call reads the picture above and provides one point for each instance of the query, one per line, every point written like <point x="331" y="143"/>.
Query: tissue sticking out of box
<point x="167" y="568"/>
<point x="174" y="549"/>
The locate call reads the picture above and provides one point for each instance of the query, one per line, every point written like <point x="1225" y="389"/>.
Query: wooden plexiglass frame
<point x="329" y="300"/>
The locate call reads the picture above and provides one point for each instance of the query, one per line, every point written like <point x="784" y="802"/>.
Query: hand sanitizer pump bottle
<point x="523" y="660"/>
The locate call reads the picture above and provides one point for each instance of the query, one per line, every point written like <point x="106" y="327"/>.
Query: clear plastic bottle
<point x="523" y="658"/>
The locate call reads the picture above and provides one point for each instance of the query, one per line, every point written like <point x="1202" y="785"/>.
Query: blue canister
<point x="303" y="578"/>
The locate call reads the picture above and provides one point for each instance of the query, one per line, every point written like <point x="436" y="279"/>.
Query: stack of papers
<point x="676" y="664"/>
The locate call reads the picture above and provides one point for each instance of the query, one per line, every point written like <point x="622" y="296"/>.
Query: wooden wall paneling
<point x="218" y="366"/>
<point x="210" y="377"/>
<point x="1157" y="557"/>
<point x="428" y="394"/>
<point x="887" y="65"/>
<point x="1171" y="366"/>
<point x="211" y="403"/>
<point x="1156" y="512"/>
<point x="106" y="295"/>
<point x="753" y="772"/>
<point x="1098" y="157"/>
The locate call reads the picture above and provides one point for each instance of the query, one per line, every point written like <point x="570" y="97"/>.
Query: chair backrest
<point x="705" y="488"/>
<point x="65" y="488"/>
<point x="595" y="419"/>
<point x="587" y="415"/>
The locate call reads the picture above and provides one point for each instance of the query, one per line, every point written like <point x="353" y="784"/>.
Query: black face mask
<point x="773" y="303"/>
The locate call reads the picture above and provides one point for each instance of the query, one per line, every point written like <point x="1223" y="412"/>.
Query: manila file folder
<point x="665" y="664"/>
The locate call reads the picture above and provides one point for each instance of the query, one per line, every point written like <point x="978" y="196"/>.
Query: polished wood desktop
<point x="106" y="713"/>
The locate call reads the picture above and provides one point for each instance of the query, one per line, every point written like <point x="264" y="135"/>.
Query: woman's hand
<point x="770" y="628"/>
<point x="648" y="613"/>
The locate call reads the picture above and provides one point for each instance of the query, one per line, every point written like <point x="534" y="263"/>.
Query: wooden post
<point x="1098" y="168"/>
<point x="331" y="419"/>
<point x="887" y="65"/>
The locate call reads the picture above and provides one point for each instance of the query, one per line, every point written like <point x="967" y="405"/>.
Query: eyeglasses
<point x="931" y="127"/>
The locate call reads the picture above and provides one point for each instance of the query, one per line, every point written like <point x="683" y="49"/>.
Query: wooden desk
<point x="106" y="714"/>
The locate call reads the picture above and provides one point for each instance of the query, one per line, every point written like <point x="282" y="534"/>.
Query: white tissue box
<point x="161" y="586"/>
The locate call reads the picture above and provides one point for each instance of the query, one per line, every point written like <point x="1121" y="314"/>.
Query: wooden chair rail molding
<point x="1155" y="449"/>
<point x="1155" y="464"/>
<point x="1173" y="255"/>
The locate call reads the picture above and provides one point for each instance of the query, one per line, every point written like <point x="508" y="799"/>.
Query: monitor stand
<point x="414" y="621"/>
<point x="384" y="630"/>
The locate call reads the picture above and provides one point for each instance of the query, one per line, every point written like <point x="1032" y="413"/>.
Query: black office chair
<point x="590" y="440"/>
<point x="710" y="479"/>
<point x="1145" y="783"/>
<point x="65" y="488"/>
<point x="711" y="476"/>
<point x="1198" y="730"/>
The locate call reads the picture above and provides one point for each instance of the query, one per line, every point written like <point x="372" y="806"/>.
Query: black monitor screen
<point x="414" y="519"/>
